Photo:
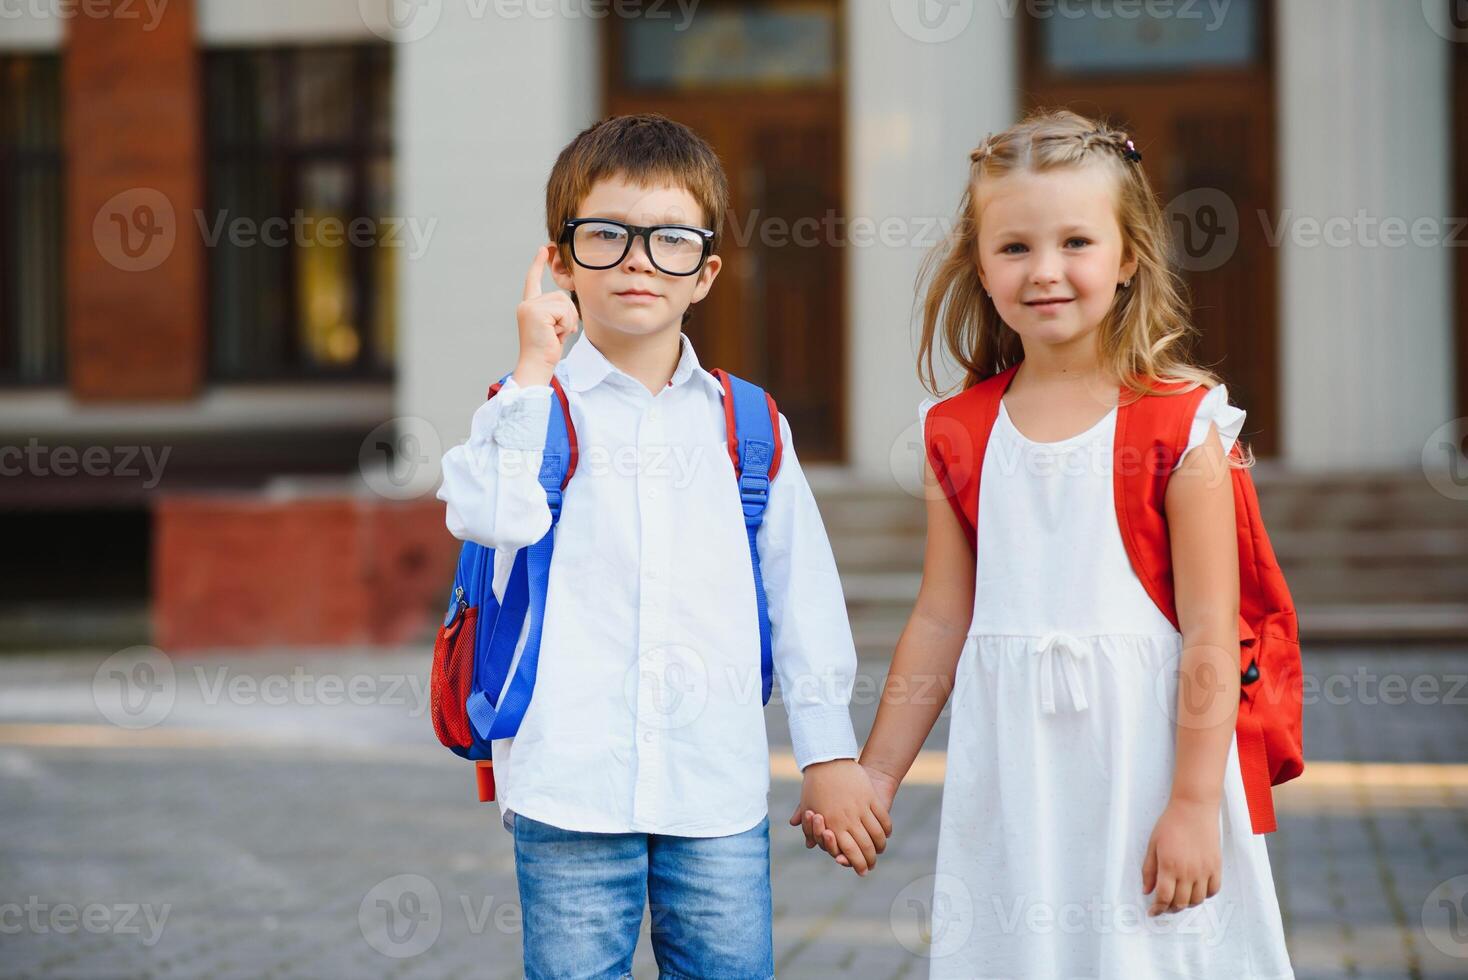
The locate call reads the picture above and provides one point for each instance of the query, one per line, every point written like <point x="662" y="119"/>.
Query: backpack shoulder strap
<point x="752" y="424"/>
<point x="1151" y="433"/>
<point x="955" y="438"/>
<point x="492" y="715"/>
<point x="571" y="448"/>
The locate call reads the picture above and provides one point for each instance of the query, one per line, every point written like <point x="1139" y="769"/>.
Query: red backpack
<point x="1151" y="434"/>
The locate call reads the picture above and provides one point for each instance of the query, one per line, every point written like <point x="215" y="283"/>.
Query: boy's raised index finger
<point x="537" y="270"/>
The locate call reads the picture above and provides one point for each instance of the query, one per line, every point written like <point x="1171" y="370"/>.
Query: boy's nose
<point x="637" y="257"/>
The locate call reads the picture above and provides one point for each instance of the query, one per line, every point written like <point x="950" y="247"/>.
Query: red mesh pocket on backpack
<point x="453" y="673"/>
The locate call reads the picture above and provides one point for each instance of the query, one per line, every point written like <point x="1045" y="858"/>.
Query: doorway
<point x="762" y="82"/>
<point x="1196" y="91"/>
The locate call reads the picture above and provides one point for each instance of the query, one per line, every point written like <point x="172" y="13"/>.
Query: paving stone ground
<point x="264" y="828"/>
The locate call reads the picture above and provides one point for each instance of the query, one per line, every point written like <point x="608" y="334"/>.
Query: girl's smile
<point x="1050" y="251"/>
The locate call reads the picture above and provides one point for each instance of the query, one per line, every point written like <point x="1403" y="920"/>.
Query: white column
<point x="920" y="96"/>
<point x="223" y="22"/>
<point x="31" y="27"/>
<point x="1366" y="321"/>
<point x="487" y="94"/>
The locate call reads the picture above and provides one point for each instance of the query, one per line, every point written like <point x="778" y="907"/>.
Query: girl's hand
<point x="841" y="790"/>
<point x="814" y="824"/>
<point x="1183" y="862"/>
<point x="546" y="323"/>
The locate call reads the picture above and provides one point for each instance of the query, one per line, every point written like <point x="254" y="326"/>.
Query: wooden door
<point x="1199" y="102"/>
<point x="762" y="83"/>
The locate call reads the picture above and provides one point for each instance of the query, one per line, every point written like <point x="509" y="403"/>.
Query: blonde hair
<point x="1144" y="337"/>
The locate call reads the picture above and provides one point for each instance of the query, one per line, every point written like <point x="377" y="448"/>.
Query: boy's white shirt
<point x="647" y="713"/>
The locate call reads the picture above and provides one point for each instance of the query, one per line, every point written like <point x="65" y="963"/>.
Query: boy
<point x="641" y="767"/>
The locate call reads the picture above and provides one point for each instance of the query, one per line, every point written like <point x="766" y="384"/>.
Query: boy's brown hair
<point x="646" y="149"/>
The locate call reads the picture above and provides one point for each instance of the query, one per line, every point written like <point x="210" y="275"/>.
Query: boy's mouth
<point x="636" y="295"/>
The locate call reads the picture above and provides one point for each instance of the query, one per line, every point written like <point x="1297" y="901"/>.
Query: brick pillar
<point x="135" y="261"/>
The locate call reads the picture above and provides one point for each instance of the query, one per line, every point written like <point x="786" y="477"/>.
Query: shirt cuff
<point x="820" y="733"/>
<point x="523" y="417"/>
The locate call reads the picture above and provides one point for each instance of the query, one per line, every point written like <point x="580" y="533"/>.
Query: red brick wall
<point x="245" y="571"/>
<point x="135" y="263"/>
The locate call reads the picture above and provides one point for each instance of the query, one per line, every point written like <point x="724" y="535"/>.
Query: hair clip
<point x="1131" y="152"/>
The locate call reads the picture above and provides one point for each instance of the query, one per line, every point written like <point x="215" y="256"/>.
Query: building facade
<point x="273" y="238"/>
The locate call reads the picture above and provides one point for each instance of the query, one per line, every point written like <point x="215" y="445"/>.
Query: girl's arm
<point x="1183" y="861"/>
<point x="921" y="676"/>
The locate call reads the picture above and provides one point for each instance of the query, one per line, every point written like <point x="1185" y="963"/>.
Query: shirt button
<point x="652" y="493"/>
<point x="652" y="573"/>
<point x="653" y="415"/>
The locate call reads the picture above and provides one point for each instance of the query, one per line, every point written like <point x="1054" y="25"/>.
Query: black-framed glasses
<point x="601" y="243"/>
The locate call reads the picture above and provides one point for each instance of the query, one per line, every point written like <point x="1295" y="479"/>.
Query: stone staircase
<point x="1370" y="558"/>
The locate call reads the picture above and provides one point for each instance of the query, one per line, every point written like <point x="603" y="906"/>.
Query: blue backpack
<point x="475" y="645"/>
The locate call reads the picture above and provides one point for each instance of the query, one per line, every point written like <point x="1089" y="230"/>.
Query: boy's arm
<point x="814" y="656"/>
<point x="815" y="660"/>
<point x="491" y="483"/>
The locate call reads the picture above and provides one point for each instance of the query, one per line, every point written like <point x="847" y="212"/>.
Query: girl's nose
<point x="1046" y="268"/>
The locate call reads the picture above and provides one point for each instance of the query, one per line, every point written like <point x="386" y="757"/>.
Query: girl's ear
<point x="561" y="272"/>
<point x="1127" y="271"/>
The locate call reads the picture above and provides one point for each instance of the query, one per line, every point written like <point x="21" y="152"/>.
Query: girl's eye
<point x="1083" y="241"/>
<point x="1006" y="249"/>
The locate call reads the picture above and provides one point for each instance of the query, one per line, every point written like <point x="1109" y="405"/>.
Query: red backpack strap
<point x="565" y="404"/>
<point x="1151" y="434"/>
<point x="955" y="438"/>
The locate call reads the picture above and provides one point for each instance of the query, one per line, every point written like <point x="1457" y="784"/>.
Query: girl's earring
<point x="1127" y="284"/>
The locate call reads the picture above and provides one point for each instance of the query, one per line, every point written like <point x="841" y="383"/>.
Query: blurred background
<point x="258" y="265"/>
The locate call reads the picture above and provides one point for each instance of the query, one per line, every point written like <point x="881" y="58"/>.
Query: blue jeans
<point x="582" y="896"/>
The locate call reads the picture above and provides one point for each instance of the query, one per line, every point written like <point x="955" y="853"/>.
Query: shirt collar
<point x="588" y="367"/>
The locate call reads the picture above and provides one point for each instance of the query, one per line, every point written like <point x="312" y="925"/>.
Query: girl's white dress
<point x="1061" y="745"/>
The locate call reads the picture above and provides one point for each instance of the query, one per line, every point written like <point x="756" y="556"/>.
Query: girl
<point x="1094" y="822"/>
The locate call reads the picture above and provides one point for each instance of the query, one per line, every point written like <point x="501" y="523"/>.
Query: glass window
<point x="792" y="44"/>
<point x="1097" y="36"/>
<point x="300" y="190"/>
<point x="31" y="310"/>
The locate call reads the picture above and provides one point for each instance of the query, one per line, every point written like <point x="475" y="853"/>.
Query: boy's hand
<point x="546" y="322"/>
<point x="814" y="823"/>
<point x="1183" y="862"/>
<point x="841" y="791"/>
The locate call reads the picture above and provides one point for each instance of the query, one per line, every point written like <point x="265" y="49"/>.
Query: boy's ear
<point x="560" y="271"/>
<point x="706" y="277"/>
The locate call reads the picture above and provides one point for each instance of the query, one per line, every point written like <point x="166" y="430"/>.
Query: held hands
<point x="844" y="807"/>
<point x="546" y="323"/>
<point x="1183" y="863"/>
